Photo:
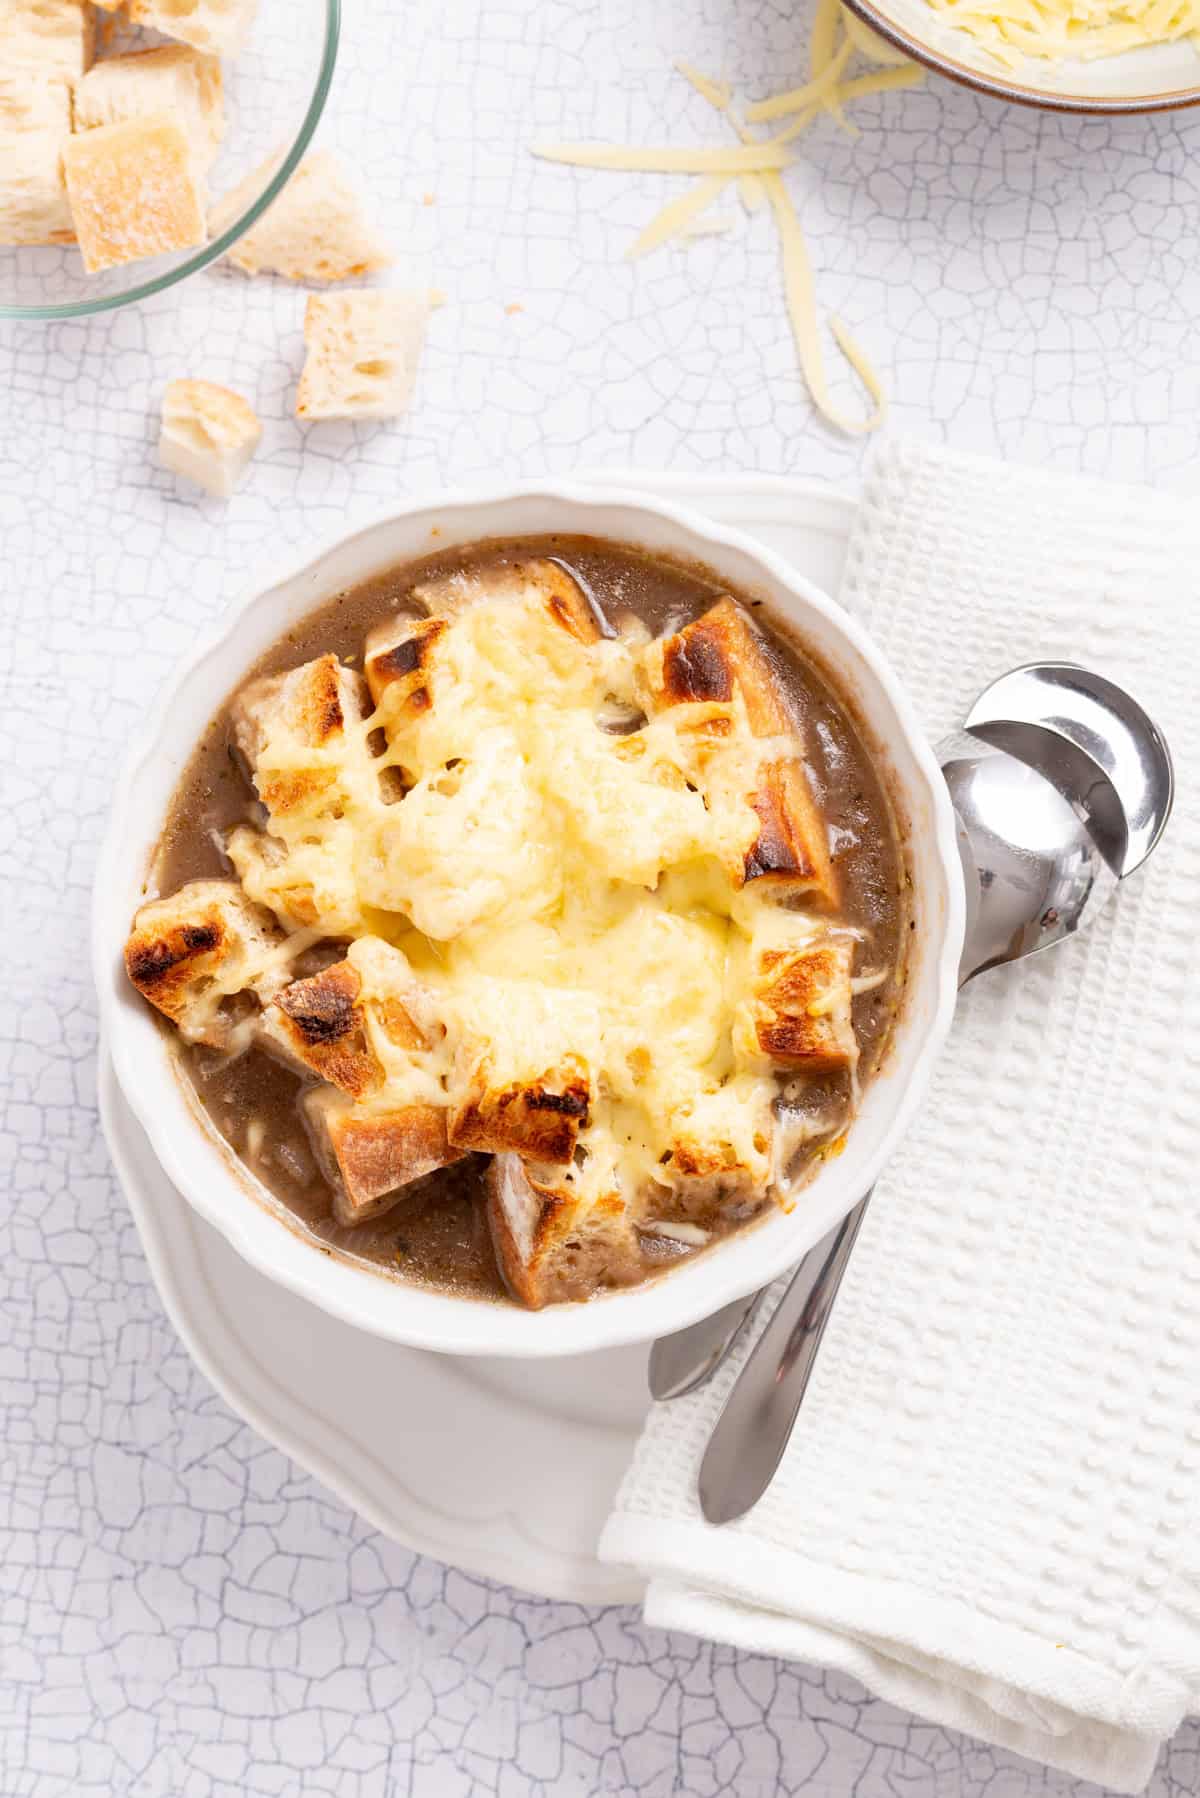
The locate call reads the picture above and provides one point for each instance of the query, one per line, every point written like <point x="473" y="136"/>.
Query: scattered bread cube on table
<point x="48" y="38"/>
<point x="35" y="124"/>
<point x="317" y="229"/>
<point x="171" y="79"/>
<point x="134" y="190"/>
<point x="209" y="434"/>
<point x="218" y="26"/>
<point x="363" y="351"/>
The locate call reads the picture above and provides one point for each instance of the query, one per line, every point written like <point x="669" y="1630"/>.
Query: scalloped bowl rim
<point x="204" y="1168"/>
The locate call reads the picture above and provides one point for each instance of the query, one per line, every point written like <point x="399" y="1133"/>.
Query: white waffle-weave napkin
<point x="990" y="1509"/>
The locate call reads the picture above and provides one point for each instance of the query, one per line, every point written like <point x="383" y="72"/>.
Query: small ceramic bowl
<point x="1152" y="80"/>
<point x="221" y="1189"/>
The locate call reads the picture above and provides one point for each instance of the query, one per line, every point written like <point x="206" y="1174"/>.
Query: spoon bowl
<point x="1034" y="869"/>
<point x="1091" y="740"/>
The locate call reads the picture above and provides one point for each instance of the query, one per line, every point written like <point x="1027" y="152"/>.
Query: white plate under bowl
<point x="201" y="1163"/>
<point x="399" y="1434"/>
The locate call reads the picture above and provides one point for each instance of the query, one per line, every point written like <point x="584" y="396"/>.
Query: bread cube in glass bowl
<point x="272" y="91"/>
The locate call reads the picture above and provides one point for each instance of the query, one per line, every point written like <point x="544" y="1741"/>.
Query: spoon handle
<point x="753" y="1429"/>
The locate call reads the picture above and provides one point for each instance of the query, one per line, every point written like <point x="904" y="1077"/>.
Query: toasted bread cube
<point x="318" y="1025"/>
<point x="549" y="591"/>
<point x="171" y="79"/>
<point x="312" y="888"/>
<point x="791" y="849"/>
<point x="134" y="191"/>
<point x="552" y="1244"/>
<point x="370" y="1156"/>
<point x="799" y="1015"/>
<point x="280" y="716"/>
<point x="539" y="1118"/>
<point x="397" y="662"/>
<point x="538" y="582"/>
<point x="401" y="652"/>
<point x="719" y="664"/>
<point x="46" y="39"/>
<point x="334" y="1023"/>
<point x="35" y="125"/>
<point x="720" y="1153"/>
<point x="218" y="26"/>
<point x="204" y="944"/>
<point x="714" y="659"/>
<point x="363" y="350"/>
<point x="316" y="230"/>
<point x="292" y="730"/>
<point x="209" y="435"/>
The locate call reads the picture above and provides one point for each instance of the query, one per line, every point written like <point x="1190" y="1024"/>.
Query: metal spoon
<point x="1035" y="873"/>
<point x="1100" y="750"/>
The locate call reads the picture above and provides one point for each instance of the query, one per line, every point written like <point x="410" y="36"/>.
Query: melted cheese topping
<point x="548" y="892"/>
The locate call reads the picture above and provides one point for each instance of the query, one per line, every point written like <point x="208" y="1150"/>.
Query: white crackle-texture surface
<point x="182" y="1612"/>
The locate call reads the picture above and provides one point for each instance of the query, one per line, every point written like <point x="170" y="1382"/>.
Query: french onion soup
<point x="530" y="920"/>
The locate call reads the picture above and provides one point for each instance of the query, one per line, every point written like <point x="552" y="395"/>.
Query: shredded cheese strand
<point x="1053" y="30"/>
<point x="678" y="216"/>
<point x="881" y="82"/>
<point x="868" y="43"/>
<point x="856" y="356"/>
<point x="779" y="105"/>
<point x="753" y="194"/>
<point x="796" y="127"/>
<point x="717" y="93"/>
<point x="709" y="227"/>
<point x="825" y="29"/>
<point x="755" y="159"/>
<point x="802" y="310"/>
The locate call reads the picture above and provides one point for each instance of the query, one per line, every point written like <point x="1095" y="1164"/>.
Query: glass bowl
<point x="275" y="91"/>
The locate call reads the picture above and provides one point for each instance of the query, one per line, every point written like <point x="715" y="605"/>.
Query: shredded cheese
<point x="1054" y="30"/>
<point x="717" y="93"/>
<point x="737" y="160"/>
<point x="802" y="309"/>
<point x="882" y="82"/>
<point x="826" y="26"/>
<point x="709" y="227"/>
<point x="681" y="215"/>
<point x="756" y="162"/>
<point x="868" y="43"/>
<point x="797" y="98"/>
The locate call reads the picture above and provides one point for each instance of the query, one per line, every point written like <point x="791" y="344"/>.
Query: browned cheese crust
<point x="313" y="703"/>
<point x="710" y="662"/>
<point x="789" y="1030"/>
<point x="541" y="1119"/>
<point x="318" y="1024"/>
<point x="397" y="662"/>
<point x="179" y="947"/>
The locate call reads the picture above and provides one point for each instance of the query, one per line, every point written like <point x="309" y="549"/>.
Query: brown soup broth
<point x="437" y="1234"/>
